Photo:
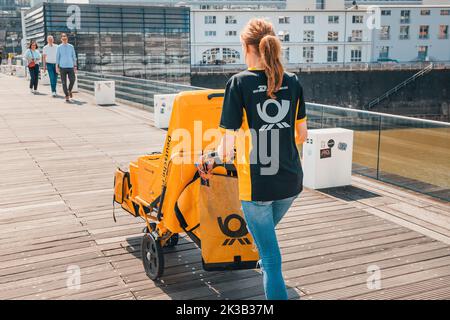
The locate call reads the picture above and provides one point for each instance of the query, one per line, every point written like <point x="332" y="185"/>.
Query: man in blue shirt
<point x="66" y="61"/>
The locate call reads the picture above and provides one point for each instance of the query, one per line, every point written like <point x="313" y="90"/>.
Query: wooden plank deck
<point x="57" y="162"/>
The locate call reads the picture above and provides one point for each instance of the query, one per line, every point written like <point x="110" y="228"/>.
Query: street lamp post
<point x="13" y="42"/>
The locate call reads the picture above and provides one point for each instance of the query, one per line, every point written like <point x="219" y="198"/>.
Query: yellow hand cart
<point x="166" y="191"/>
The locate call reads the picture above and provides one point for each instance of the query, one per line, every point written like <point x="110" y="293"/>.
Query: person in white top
<point x="49" y="62"/>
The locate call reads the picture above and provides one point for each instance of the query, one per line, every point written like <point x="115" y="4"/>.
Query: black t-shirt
<point x="267" y="158"/>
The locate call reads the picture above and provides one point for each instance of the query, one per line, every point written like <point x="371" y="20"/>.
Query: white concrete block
<point x="105" y="92"/>
<point x="163" y="104"/>
<point x="327" y="158"/>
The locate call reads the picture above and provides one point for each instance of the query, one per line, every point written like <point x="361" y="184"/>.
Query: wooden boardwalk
<point x="57" y="162"/>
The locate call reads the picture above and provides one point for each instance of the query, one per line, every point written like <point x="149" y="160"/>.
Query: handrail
<point x="373" y="113"/>
<point x="399" y="86"/>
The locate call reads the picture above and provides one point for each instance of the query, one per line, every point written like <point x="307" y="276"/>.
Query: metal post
<point x="378" y="149"/>
<point x="321" y="119"/>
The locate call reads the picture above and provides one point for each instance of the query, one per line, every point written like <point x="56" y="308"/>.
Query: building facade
<point x="10" y="26"/>
<point x="137" y="41"/>
<point x="413" y="33"/>
<point x="206" y="4"/>
<point x="337" y="35"/>
<point x="308" y="37"/>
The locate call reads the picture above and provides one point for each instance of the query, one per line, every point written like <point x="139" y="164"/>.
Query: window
<point x="422" y="53"/>
<point x="231" y="33"/>
<point x="308" y="54"/>
<point x="210" y="56"/>
<point x="384" y="53"/>
<point x="357" y="19"/>
<point x="385" y="12"/>
<point x="283" y="36"/>
<point x="385" y="32"/>
<point x="404" y="32"/>
<point x="308" y="19"/>
<point x="445" y="12"/>
<point x="443" y="32"/>
<point x="284" y="20"/>
<point x="230" y="20"/>
<point x="356" y="35"/>
<point x="230" y="55"/>
<point x="333" y="36"/>
<point x="210" y="33"/>
<point x="210" y="19"/>
<point x="333" y="19"/>
<point x="424" y="32"/>
<point x="405" y="16"/>
<point x="320" y="4"/>
<point x="332" y="54"/>
<point x="356" y="55"/>
<point x="285" y="53"/>
<point x="425" y="12"/>
<point x="308" y="36"/>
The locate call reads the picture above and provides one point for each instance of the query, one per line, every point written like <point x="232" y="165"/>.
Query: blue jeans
<point x="262" y="218"/>
<point x="51" y="67"/>
<point x="34" y="76"/>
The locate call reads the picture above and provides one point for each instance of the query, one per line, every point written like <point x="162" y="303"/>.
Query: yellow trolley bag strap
<point x="186" y="210"/>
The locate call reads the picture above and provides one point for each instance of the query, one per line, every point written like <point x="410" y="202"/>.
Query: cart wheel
<point x="173" y="241"/>
<point x="152" y="256"/>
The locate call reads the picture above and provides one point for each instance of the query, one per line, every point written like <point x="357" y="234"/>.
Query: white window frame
<point x="333" y="19"/>
<point x="333" y="36"/>
<point x="385" y="33"/>
<point x="210" y="33"/>
<point x="358" y="19"/>
<point x="308" y="35"/>
<point x="384" y="52"/>
<point x="210" y="19"/>
<point x="333" y="54"/>
<point x="443" y="35"/>
<point x="230" y="33"/>
<point x="284" y="36"/>
<point x="230" y="20"/>
<point x="356" y="54"/>
<point x="404" y="35"/>
<point x="308" y="54"/>
<point x="357" y="35"/>
<point x="309" y="19"/>
<point x="284" y="20"/>
<point x="405" y="16"/>
<point x="424" y="32"/>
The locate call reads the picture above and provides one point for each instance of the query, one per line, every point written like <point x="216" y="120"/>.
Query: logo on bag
<point x="276" y="120"/>
<point x="238" y="234"/>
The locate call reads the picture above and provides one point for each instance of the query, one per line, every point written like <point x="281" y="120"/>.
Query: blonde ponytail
<point x="270" y="51"/>
<point x="259" y="33"/>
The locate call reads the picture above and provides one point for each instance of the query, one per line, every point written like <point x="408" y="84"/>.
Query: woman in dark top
<point x="264" y="118"/>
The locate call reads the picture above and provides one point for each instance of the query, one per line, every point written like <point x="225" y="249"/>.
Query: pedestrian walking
<point x="33" y="58"/>
<point x="66" y="61"/>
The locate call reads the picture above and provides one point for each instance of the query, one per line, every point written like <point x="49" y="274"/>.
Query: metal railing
<point x="335" y="66"/>
<point x="135" y="91"/>
<point x="399" y="86"/>
<point x="408" y="152"/>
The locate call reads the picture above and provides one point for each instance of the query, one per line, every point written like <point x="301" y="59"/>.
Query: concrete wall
<point x="429" y="95"/>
